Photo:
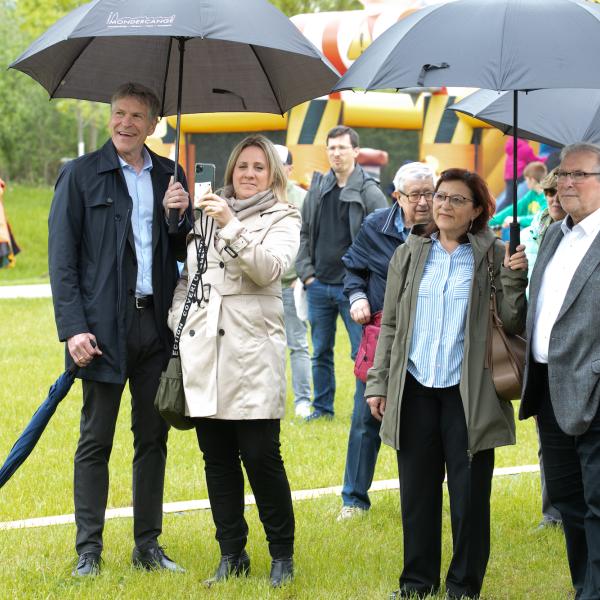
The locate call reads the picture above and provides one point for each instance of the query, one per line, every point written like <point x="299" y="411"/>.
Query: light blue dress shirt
<point x="438" y="339"/>
<point x="139" y="186"/>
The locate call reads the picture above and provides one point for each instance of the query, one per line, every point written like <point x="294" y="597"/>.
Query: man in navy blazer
<point x="562" y="373"/>
<point x="113" y="269"/>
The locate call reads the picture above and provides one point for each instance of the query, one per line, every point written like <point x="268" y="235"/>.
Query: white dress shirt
<point x="557" y="277"/>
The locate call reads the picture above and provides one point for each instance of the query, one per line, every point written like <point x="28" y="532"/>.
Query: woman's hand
<point x="518" y="261"/>
<point x="377" y="406"/>
<point x="216" y="207"/>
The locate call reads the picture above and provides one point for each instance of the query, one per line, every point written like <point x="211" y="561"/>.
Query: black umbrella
<point x="502" y="45"/>
<point x="31" y="434"/>
<point x="556" y="117"/>
<point x="233" y="55"/>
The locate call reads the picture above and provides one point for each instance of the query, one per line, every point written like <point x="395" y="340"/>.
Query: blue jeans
<point x="363" y="447"/>
<point x="297" y="342"/>
<point x="325" y="303"/>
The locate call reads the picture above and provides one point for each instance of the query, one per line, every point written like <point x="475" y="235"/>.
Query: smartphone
<point x="204" y="182"/>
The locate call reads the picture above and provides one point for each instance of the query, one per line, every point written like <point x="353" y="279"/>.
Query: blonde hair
<point x="277" y="176"/>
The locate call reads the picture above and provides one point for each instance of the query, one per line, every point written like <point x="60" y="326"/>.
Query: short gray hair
<point x="581" y="147"/>
<point x="410" y="171"/>
<point x="141" y="93"/>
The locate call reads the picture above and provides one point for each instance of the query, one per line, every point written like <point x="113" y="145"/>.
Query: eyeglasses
<point x="576" y="176"/>
<point x="414" y="197"/>
<point x="550" y="192"/>
<point x="339" y="148"/>
<point x="456" y="200"/>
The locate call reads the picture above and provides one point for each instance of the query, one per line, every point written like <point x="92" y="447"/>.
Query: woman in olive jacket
<point x="430" y="387"/>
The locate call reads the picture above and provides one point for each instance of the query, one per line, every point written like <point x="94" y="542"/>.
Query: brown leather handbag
<point x="505" y="354"/>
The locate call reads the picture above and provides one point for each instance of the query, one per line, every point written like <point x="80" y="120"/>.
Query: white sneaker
<point x="302" y="409"/>
<point x="349" y="512"/>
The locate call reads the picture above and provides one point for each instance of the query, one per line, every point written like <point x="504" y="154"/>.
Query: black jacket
<point x="92" y="262"/>
<point x="362" y="193"/>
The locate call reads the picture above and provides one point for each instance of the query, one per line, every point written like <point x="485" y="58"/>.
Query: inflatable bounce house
<point x="439" y="137"/>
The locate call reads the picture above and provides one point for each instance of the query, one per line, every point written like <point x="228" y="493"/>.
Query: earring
<point x="470" y="226"/>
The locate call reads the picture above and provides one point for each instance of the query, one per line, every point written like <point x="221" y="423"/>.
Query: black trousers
<point x="145" y="360"/>
<point x="572" y="469"/>
<point x="433" y="439"/>
<point x="256" y="444"/>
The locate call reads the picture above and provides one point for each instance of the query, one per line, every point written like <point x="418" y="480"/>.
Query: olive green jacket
<point x="490" y="421"/>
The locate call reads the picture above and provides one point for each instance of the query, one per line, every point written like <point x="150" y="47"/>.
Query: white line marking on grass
<point x="37" y="290"/>
<point x="185" y="506"/>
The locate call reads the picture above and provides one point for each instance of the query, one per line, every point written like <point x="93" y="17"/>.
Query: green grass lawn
<point x="27" y="212"/>
<point x="357" y="559"/>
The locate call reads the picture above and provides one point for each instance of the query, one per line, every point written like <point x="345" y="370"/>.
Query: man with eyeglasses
<point x="366" y="263"/>
<point x="562" y="372"/>
<point x="332" y="214"/>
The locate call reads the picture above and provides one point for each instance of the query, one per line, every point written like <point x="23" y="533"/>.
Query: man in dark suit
<point x="562" y="372"/>
<point x="113" y="271"/>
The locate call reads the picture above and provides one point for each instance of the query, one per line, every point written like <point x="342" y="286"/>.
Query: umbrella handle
<point x="515" y="237"/>
<point x="74" y="369"/>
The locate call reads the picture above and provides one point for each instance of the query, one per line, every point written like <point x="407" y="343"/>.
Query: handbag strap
<point x="192" y="295"/>
<point x="494" y="319"/>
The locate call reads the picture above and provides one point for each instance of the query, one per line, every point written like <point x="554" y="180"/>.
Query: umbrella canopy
<point x="238" y="55"/>
<point x="31" y="434"/>
<point x="490" y="44"/>
<point x="556" y="117"/>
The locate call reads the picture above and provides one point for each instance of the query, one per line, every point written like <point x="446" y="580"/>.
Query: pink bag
<point x="366" y="351"/>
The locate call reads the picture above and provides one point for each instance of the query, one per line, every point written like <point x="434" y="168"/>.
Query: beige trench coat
<point x="233" y="348"/>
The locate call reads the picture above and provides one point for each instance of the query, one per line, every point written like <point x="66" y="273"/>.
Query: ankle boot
<point x="231" y="565"/>
<point x="282" y="571"/>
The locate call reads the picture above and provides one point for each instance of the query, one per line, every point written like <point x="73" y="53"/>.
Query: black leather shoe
<point x="154" y="558"/>
<point x="282" y="571"/>
<point x="88" y="564"/>
<point x="231" y="565"/>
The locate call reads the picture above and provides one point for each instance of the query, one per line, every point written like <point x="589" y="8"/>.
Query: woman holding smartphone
<point x="232" y="351"/>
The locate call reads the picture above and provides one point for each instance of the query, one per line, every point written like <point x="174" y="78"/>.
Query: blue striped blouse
<point x="438" y="338"/>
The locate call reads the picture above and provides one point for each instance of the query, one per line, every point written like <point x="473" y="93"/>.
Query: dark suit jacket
<point x="574" y="352"/>
<point x="92" y="261"/>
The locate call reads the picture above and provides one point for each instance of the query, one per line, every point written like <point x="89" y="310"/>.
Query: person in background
<point x="113" y="269"/>
<point x="530" y="204"/>
<point x="332" y="214"/>
<point x="430" y="386"/>
<point x="367" y="261"/>
<point x="296" y="329"/>
<point x="232" y="352"/>
<point x="542" y="220"/>
<point x="525" y="155"/>
<point x="8" y="246"/>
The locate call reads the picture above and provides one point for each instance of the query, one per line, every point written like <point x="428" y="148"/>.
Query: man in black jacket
<point x="113" y="271"/>
<point x="332" y="214"/>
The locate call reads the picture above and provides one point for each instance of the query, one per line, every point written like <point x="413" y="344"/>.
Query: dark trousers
<point x="572" y="469"/>
<point x="256" y="443"/>
<point x="433" y="438"/>
<point x="145" y="359"/>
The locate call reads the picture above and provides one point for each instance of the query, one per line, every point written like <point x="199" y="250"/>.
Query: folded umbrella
<point x="557" y="117"/>
<point x="31" y="434"/>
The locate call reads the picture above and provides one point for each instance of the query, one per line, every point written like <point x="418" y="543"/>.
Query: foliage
<point x="294" y="7"/>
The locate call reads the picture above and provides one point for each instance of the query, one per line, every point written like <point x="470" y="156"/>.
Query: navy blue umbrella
<point x="31" y="434"/>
